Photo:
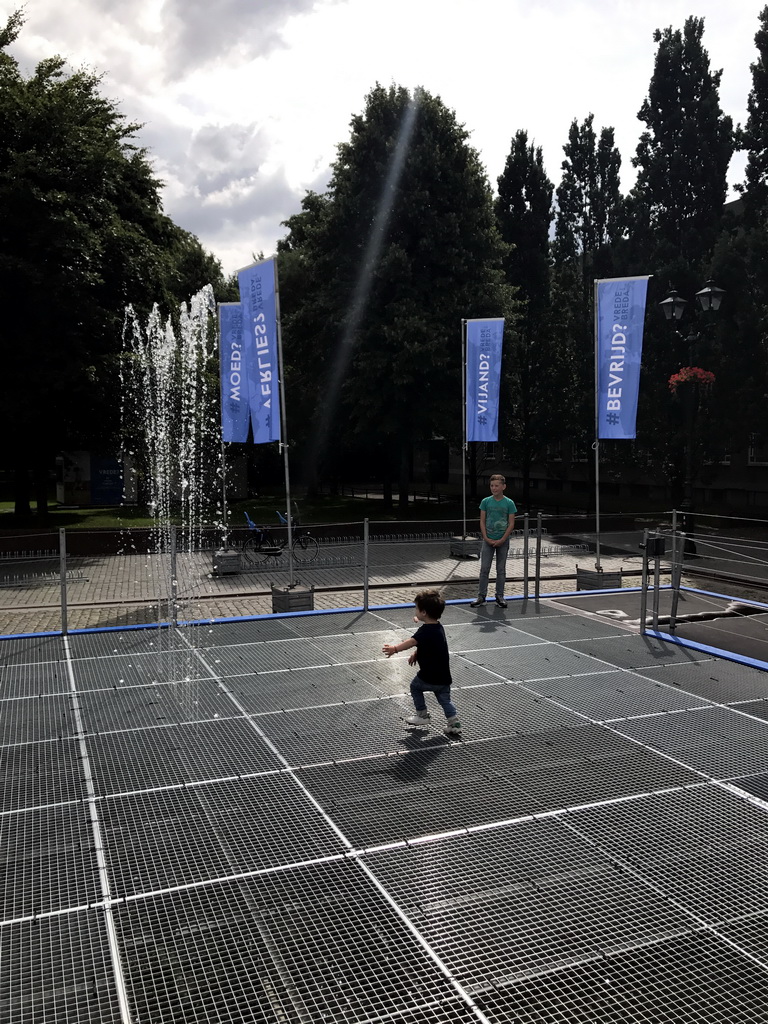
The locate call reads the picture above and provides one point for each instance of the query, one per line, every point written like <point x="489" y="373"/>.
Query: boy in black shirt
<point x="431" y="654"/>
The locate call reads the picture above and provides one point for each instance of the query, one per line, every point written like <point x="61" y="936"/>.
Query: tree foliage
<point x="82" y="234"/>
<point x="683" y="155"/>
<point x="739" y="265"/>
<point x="378" y="272"/>
<point x="675" y="218"/>
<point x="589" y="206"/>
<point x="587" y="232"/>
<point x="754" y="136"/>
<point x="537" y="364"/>
<point x="382" y="270"/>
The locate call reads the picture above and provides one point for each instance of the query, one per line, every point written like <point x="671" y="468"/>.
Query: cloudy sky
<point x="243" y="102"/>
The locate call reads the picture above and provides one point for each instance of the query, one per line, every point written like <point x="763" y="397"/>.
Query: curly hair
<point x="431" y="602"/>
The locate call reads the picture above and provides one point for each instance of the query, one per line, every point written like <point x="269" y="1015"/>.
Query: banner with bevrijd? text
<point x="484" y="339"/>
<point x="620" y="316"/>
<point x="235" y="403"/>
<point x="257" y="297"/>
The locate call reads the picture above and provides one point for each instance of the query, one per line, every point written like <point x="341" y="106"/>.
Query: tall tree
<point x="82" y="234"/>
<point x="589" y="206"/>
<point x="683" y="155"/>
<point x="402" y="247"/>
<point x="739" y="265"/>
<point x="536" y="365"/>
<point x="675" y="219"/>
<point x="587" y="232"/>
<point x="754" y="136"/>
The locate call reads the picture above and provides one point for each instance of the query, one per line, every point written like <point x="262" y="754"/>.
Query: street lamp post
<point x="692" y="379"/>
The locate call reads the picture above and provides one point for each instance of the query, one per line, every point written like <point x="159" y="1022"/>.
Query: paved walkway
<point x="120" y="590"/>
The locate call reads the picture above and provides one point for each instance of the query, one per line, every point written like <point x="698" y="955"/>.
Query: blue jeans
<point x="443" y="694"/>
<point x="486" y="557"/>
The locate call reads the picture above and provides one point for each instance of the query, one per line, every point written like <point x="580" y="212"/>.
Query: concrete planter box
<point x="466" y="547"/>
<point x="293" y="599"/>
<point x="226" y="562"/>
<point x="588" y="579"/>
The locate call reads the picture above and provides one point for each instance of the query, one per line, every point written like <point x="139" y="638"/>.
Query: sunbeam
<point x="363" y="284"/>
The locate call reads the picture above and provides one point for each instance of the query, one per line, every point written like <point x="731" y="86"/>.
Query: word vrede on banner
<point x="483" y="376"/>
<point x="619" y="318"/>
<point x="258" y="302"/>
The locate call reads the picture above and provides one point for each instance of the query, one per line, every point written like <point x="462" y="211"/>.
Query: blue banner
<point x="619" y="316"/>
<point x="258" y="299"/>
<point x="235" y="405"/>
<point x="483" y="370"/>
<point x="106" y="480"/>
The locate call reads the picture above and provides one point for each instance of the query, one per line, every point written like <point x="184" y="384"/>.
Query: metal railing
<point x="76" y="579"/>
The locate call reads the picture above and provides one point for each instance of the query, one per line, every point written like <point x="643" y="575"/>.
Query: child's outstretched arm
<point x="390" y="649"/>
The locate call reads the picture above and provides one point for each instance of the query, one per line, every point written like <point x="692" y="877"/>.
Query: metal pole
<point x="598" y="566"/>
<point x="525" y="555"/>
<point x="538" y="557"/>
<point x="63" y="578"/>
<point x="596" y="445"/>
<point x="284" y="429"/>
<point x="225" y="509"/>
<point x="174" y="580"/>
<point x="365" y="565"/>
<point x="676" y="573"/>
<point x="644" y="584"/>
<point x="656" y="561"/>
<point x="464" y="428"/>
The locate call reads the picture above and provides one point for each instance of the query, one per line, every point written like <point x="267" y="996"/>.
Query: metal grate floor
<point x="299" y="944"/>
<point x="230" y="823"/>
<point x="695" y="978"/>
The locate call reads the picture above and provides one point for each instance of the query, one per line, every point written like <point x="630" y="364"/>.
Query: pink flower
<point x="691" y="375"/>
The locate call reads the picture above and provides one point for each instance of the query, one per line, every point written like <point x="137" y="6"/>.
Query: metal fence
<point x="68" y="580"/>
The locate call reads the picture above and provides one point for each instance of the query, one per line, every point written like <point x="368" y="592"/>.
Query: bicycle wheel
<point x="305" y="549"/>
<point x="254" y="552"/>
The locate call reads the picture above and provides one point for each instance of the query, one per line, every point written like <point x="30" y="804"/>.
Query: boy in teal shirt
<point x="497" y="521"/>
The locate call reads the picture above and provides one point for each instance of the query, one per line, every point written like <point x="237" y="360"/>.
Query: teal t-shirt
<point x="497" y="515"/>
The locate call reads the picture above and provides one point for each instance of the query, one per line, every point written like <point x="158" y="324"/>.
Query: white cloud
<point x="199" y="32"/>
<point x="244" y="102"/>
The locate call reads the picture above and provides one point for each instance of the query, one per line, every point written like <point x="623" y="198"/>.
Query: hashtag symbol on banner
<point x="612" y="418"/>
<point x="482" y="420"/>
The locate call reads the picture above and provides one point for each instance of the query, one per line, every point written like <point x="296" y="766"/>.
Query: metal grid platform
<point x="229" y="823"/>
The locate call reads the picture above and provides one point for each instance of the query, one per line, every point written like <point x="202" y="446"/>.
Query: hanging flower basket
<point x="691" y="375"/>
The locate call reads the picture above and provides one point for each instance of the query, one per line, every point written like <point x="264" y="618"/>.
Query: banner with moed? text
<point x="483" y="370"/>
<point x="620" y="316"/>
<point x="235" y="404"/>
<point x="258" y="299"/>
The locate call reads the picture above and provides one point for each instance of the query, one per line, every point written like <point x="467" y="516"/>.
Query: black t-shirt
<point x="432" y="654"/>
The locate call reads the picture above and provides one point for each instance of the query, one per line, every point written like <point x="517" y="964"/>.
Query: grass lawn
<point x="325" y="509"/>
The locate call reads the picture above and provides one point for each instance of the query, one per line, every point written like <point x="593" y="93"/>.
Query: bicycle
<point x="261" y="546"/>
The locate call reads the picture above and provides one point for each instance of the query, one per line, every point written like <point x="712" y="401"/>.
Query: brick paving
<point x="132" y="589"/>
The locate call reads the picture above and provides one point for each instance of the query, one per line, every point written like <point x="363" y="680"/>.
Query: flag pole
<point x="283" y="429"/>
<point x="619" y="350"/>
<point x="596" y="445"/>
<point x="464" y="427"/>
<point x="223" y="453"/>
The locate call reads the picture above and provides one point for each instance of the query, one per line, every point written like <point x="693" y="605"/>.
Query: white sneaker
<point x="417" y="719"/>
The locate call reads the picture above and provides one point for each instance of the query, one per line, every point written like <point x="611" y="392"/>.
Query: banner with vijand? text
<point x="483" y="369"/>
